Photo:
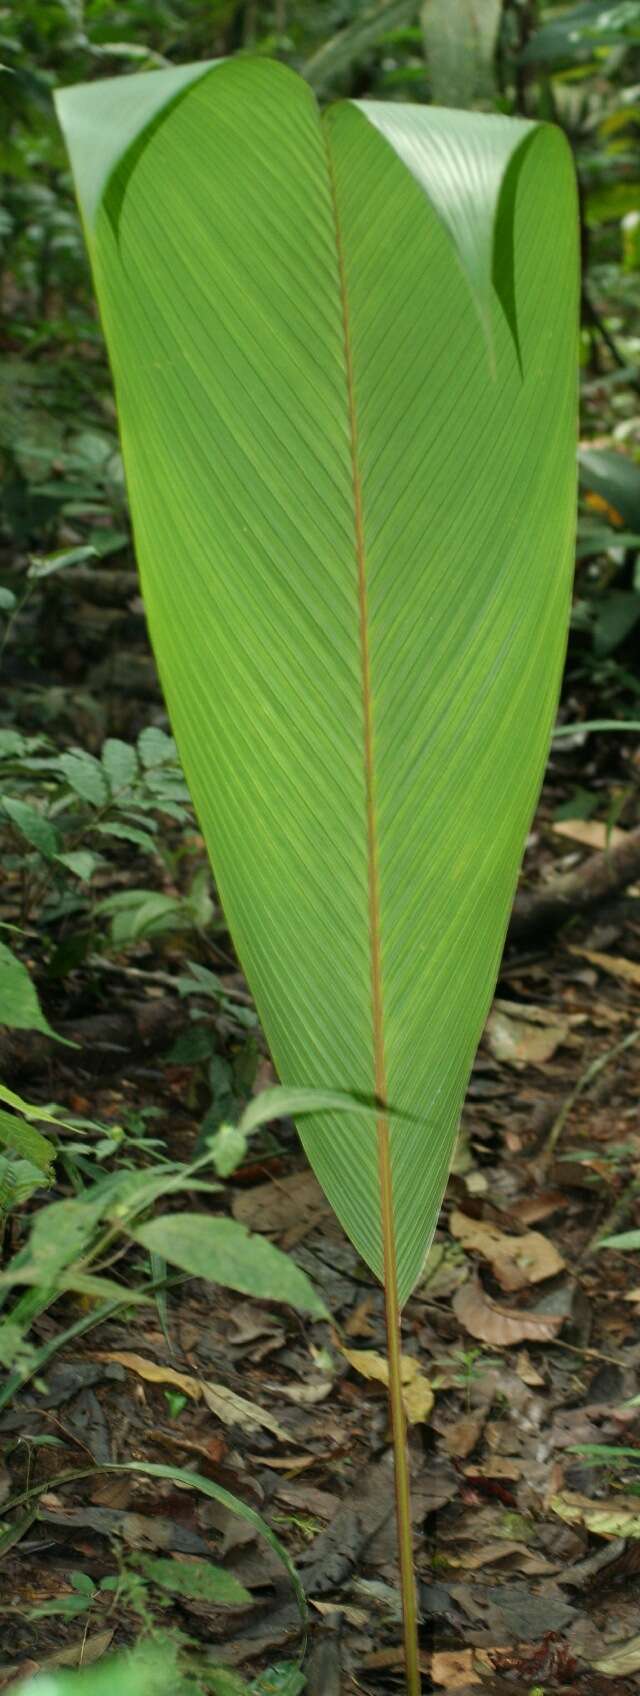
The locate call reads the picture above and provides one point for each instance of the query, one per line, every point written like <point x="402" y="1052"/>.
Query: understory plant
<point x="344" y="350"/>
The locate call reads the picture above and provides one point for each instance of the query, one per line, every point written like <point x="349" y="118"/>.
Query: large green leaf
<point x="344" y="349"/>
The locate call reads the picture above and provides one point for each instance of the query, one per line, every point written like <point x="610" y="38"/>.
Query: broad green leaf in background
<point x="20" y="1009"/>
<point x="460" y="38"/>
<point x="345" y="359"/>
<point x="16" y="1134"/>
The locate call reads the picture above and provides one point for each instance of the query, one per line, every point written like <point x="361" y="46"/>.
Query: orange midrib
<point x="392" y="1304"/>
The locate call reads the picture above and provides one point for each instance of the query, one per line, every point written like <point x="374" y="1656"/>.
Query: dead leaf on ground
<point x="623" y="1660"/>
<point x="499" y="1466"/>
<point x="417" y="1393"/>
<point x="236" y="1410"/>
<point x="524" y="1035"/>
<point x="501" y="1326"/>
<point x="618" y="1517"/>
<point x="461" y="1437"/>
<point x="359" y="1322"/>
<point x="454" y="1669"/>
<point x="353" y="1616"/>
<point x="527" y="1371"/>
<point x="490" y="1554"/>
<point x="516" y="1261"/>
<point x="305" y="1395"/>
<point x="154" y="1374"/>
<point x="277" y="1205"/>
<point x="614" y="964"/>
<point x="83" y="1653"/>
<point x="532" y="1208"/>
<point x="592" y="833"/>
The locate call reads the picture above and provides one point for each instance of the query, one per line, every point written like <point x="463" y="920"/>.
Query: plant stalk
<point x="398" y="1420"/>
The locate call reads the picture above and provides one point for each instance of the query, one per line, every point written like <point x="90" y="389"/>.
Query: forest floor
<point x="522" y="1337"/>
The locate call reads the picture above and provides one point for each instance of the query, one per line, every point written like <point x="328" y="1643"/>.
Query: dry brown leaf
<point x="359" y="1322"/>
<point x="353" y="1616"/>
<point x="500" y="1326"/>
<point x="235" y="1410"/>
<point x="516" y="1261"/>
<point x="461" y="1437"/>
<point x="524" y="1035"/>
<point x="488" y="1554"/>
<point x="306" y="1395"/>
<point x="83" y="1653"/>
<point x="500" y="1466"/>
<point x="627" y="970"/>
<point x="592" y="833"/>
<point x="619" y="1517"/>
<point x="527" y="1371"/>
<point x="274" y="1206"/>
<point x="154" y="1374"/>
<point x="623" y="1660"/>
<point x="532" y="1208"/>
<point x="453" y="1669"/>
<point x="417" y="1393"/>
<point x="633" y="1295"/>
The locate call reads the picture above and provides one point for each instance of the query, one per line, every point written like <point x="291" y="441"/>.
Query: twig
<point x="616" y="1217"/>
<point x="593" y="1071"/>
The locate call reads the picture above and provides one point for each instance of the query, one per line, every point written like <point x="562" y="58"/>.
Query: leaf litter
<point x="518" y="1345"/>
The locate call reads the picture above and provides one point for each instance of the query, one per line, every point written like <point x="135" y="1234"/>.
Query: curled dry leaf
<point x="453" y="1669"/>
<point x="614" y="964"/>
<point x="516" y="1261"/>
<point x="236" y="1410"/>
<point x="524" y="1035"/>
<point x="623" y="1660"/>
<point x="501" y="1326"/>
<point x="417" y="1393"/>
<point x="619" y="1517"/>
<point x="461" y="1437"/>
<point x="153" y="1373"/>
<point x="527" y="1371"/>
<point x="592" y="833"/>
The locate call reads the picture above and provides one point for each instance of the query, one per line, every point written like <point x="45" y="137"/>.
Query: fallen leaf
<point x="454" y="1669"/>
<point x="273" y="1206"/>
<point x="527" y="1371"/>
<point x="500" y="1466"/>
<point x="83" y="1653"/>
<point x="592" y="833"/>
<point x="236" y="1410"/>
<point x="633" y="1295"/>
<point x="306" y="1395"/>
<point x="619" y="1517"/>
<point x="524" y="1035"/>
<point x="359" y="1322"/>
<point x="621" y="1661"/>
<point x="153" y="1373"/>
<point x="516" y="1261"/>
<point x="461" y="1437"/>
<point x="532" y="1208"/>
<point x="628" y="970"/>
<point x="353" y="1616"/>
<point x="417" y="1393"/>
<point x="501" y="1326"/>
<point x="488" y="1554"/>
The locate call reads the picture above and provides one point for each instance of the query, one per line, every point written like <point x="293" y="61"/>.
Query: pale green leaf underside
<point x="237" y="239"/>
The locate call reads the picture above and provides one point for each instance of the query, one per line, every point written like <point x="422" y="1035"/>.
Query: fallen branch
<point x="602" y="875"/>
